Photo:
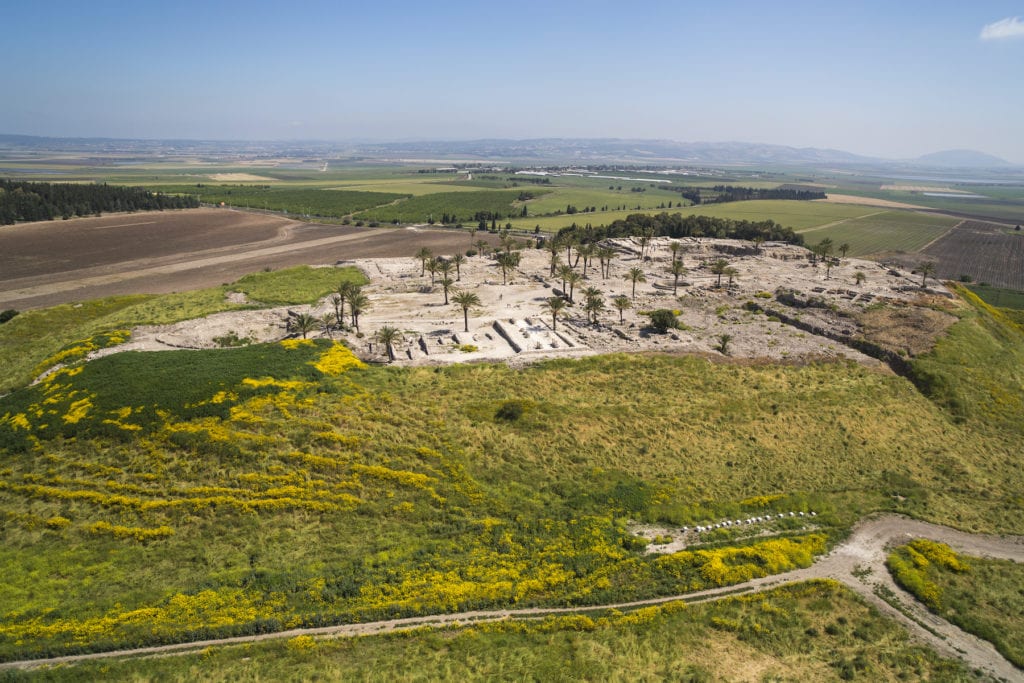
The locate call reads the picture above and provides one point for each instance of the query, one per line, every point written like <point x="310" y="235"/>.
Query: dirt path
<point x="839" y="222"/>
<point x="859" y="563"/>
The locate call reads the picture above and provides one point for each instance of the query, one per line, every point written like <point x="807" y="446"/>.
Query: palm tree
<point x="635" y="275"/>
<point x="472" y="233"/>
<point x="718" y="268"/>
<point x="622" y="302"/>
<point x="563" y="273"/>
<point x="723" y="344"/>
<point x="587" y="252"/>
<point x="677" y="271"/>
<point x="605" y="254"/>
<point x="927" y="268"/>
<point x="507" y="242"/>
<point x="304" y="323"/>
<point x="569" y="241"/>
<point x="594" y="302"/>
<point x="554" y="305"/>
<point x="824" y="248"/>
<point x="424" y="255"/>
<point x="646" y="235"/>
<point x="357" y="303"/>
<point x="327" y="321"/>
<point x="843" y="248"/>
<point x="731" y="273"/>
<point x="444" y="266"/>
<point x="465" y="300"/>
<point x="339" y="308"/>
<point x="481" y="247"/>
<point x="758" y="241"/>
<point x="446" y="285"/>
<point x="344" y="290"/>
<point x="507" y="261"/>
<point x="387" y="336"/>
<point x="433" y="265"/>
<point x="859" y="277"/>
<point x="556" y="261"/>
<point x="675" y="247"/>
<point x="573" y="279"/>
<point x="554" y="247"/>
<point x="458" y="260"/>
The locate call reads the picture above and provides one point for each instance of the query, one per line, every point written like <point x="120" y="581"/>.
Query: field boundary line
<point x="841" y="221"/>
<point x="941" y="236"/>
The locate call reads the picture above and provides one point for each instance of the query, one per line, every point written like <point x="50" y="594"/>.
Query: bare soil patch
<point x="238" y="177"/>
<point x="912" y="329"/>
<point x="833" y="198"/>
<point x="987" y="252"/>
<point x="923" y="188"/>
<point x="54" y="262"/>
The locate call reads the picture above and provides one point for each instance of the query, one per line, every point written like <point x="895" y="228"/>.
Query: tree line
<point x="730" y="193"/>
<point x="22" y="201"/>
<point x="676" y="225"/>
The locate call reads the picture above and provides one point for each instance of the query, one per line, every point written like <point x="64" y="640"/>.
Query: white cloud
<point x="1010" y="27"/>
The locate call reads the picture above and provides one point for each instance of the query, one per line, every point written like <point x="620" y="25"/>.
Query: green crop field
<point x="431" y="185"/>
<point x="814" y="631"/>
<point x="884" y="231"/>
<point x="464" y="205"/>
<point x="314" y="202"/>
<point x="1003" y="298"/>
<point x="798" y="215"/>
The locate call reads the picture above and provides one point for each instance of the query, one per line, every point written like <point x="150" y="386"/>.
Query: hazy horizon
<point x="878" y="80"/>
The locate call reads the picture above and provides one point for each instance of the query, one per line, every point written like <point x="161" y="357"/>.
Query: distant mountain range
<point x="534" y="151"/>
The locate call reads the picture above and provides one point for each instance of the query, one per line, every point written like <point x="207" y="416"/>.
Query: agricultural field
<point x="879" y="232"/>
<point x="798" y="215"/>
<point x="997" y="202"/>
<point x="815" y="631"/>
<point x="980" y="595"/>
<point x="48" y="263"/>
<point x="1001" y="298"/>
<point x="989" y="253"/>
<point x="463" y="205"/>
<point x="314" y="202"/>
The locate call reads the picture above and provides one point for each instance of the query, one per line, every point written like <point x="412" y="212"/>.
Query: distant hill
<point x="962" y="158"/>
<point x="528" y="151"/>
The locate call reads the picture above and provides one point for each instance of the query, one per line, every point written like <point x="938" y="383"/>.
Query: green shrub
<point x="663" y="320"/>
<point x="512" y="410"/>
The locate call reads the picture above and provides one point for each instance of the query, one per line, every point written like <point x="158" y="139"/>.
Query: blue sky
<point x="892" y="79"/>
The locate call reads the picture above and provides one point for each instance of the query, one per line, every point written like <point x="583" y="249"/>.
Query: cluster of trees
<point x="676" y="225"/>
<point x="28" y="201"/>
<point x="348" y="294"/>
<point x="730" y="193"/>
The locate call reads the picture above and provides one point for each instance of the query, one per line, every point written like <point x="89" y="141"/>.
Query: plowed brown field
<point x="988" y="252"/>
<point x="48" y="263"/>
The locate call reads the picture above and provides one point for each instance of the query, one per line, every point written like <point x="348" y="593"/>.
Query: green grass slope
<point x="982" y="596"/>
<point x="34" y="340"/>
<point x="817" y="631"/>
<point x="165" y="497"/>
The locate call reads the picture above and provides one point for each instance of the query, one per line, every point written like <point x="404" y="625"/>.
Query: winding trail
<point x="858" y="563"/>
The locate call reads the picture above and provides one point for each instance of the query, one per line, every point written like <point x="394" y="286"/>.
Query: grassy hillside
<point x="32" y="341"/>
<point x="816" y="631"/>
<point x="152" y="498"/>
